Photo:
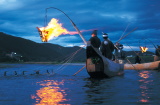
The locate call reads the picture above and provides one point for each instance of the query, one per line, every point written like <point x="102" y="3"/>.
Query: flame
<point x="143" y="49"/>
<point x="54" y="29"/>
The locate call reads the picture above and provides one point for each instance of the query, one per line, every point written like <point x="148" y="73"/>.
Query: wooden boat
<point x="144" y="66"/>
<point x="99" y="66"/>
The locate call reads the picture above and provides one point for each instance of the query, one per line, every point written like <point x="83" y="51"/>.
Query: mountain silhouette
<point x="38" y="52"/>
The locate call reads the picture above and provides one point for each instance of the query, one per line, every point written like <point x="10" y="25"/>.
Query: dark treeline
<point x="16" y="49"/>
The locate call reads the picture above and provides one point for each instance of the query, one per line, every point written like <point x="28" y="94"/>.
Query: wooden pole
<point x="74" y="25"/>
<point x="79" y="70"/>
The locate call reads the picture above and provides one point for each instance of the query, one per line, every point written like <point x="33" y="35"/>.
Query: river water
<point x="56" y="85"/>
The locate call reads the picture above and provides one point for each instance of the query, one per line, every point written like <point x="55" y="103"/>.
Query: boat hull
<point x="144" y="66"/>
<point x="99" y="66"/>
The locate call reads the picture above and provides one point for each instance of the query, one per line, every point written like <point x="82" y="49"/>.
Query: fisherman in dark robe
<point x="107" y="47"/>
<point x="95" y="42"/>
<point x="137" y="58"/>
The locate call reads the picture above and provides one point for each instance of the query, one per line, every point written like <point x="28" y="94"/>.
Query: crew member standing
<point x="94" y="40"/>
<point x="107" y="47"/>
<point x="119" y="53"/>
<point x="137" y="58"/>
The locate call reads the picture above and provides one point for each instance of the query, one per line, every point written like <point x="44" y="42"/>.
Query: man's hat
<point x="105" y="35"/>
<point x="94" y="32"/>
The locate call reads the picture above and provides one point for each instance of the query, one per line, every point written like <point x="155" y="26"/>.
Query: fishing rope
<point x="61" y="68"/>
<point x="126" y="35"/>
<point x="153" y="45"/>
<point x="149" y="41"/>
<point x="49" y="64"/>
<point x="64" y="65"/>
<point x="131" y="63"/>
<point x="72" y="55"/>
<point x="135" y="52"/>
<point x="126" y="58"/>
<point x="69" y="60"/>
<point x="124" y="31"/>
<point x="66" y="57"/>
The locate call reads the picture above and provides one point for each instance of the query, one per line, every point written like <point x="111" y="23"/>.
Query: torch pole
<point x="74" y="25"/>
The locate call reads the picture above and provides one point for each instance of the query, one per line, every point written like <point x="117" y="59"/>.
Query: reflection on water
<point x="144" y="82"/>
<point x="99" y="91"/>
<point x="133" y="88"/>
<point x="50" y="93"/>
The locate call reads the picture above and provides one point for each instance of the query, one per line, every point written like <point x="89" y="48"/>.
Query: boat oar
<point x="79" y="70"/>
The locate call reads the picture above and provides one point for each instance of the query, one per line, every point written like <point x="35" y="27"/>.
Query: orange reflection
<point x="50" y="94"/>
<point x="144" y="74"/>
<point x="144" y="100"/>
<point x="144" y="93"/>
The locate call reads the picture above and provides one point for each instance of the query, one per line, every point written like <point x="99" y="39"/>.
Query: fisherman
<point x="137" y="58"/>
<point x="95" y="42"/>
<point x="107" y="47"/>
<point x="157" y="54"/>
<point x="119" y="53"/>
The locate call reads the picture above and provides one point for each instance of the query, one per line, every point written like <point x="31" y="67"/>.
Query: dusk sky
<point x="115" y="17"/>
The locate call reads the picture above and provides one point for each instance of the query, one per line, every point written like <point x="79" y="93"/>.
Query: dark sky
<point x="115" y="17"/>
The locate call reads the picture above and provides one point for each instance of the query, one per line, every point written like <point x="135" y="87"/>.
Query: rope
<point x="124" y="31"/>
<point x="126" y="35"/>
<point x="153" y="45"/>
<point x="73" y="54"/>
<point x="131" y="63"/>
<point x="63" y="66"/>
<point x="69" y="60"/>
<point x="135" y="52"/>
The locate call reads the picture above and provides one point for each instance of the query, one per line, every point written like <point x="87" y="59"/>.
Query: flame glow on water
<point x="50" y="93"/>
<point x="144" y="86"/>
